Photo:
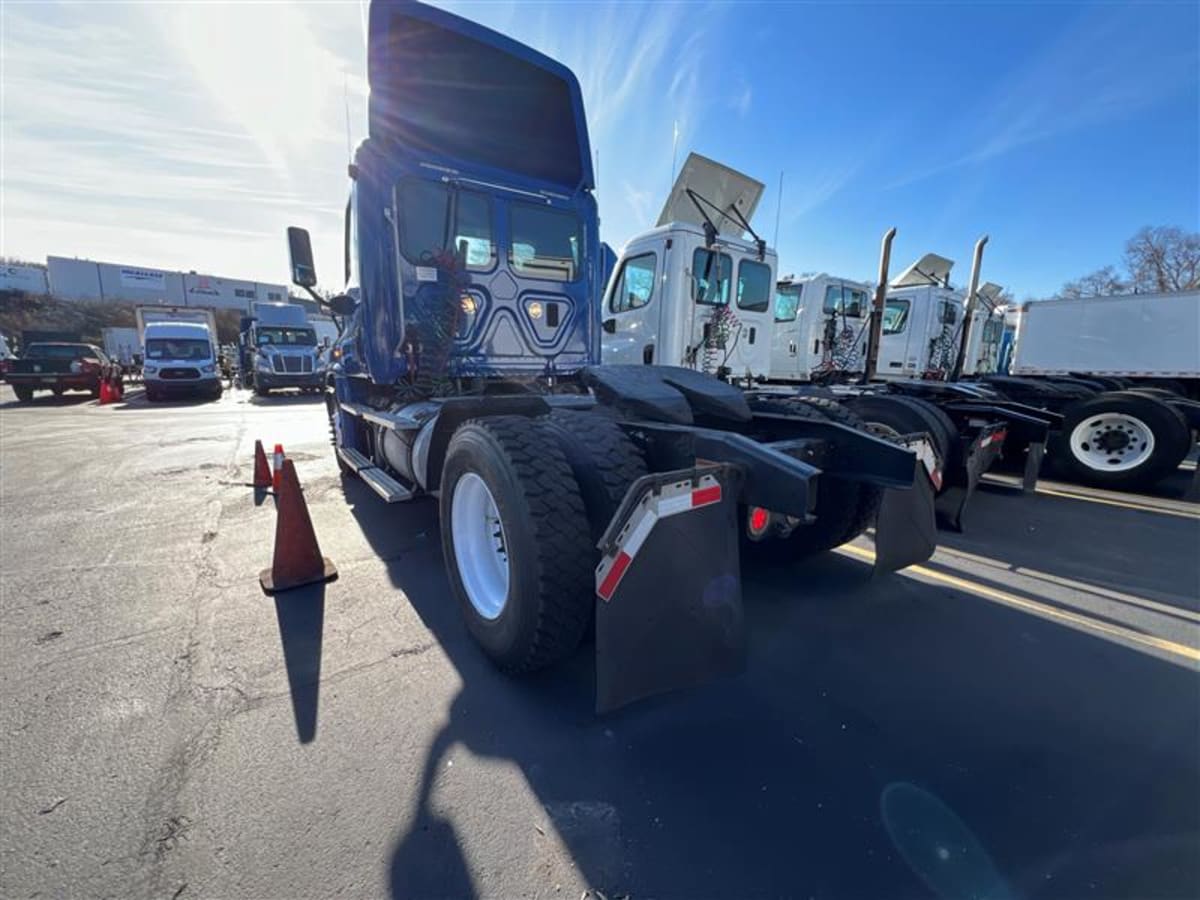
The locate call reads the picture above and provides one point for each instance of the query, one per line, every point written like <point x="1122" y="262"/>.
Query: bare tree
<point x="1163" y="259"/>
<point x="1100" y="283"/>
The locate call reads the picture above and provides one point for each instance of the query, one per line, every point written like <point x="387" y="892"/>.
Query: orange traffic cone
<point x="262" y="469"/>
<point x="298" y="560"/>
<point x="277" y="467"/>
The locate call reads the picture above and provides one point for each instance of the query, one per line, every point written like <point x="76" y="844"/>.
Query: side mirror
<point x="610" y="326"/>
<point x="304" y="271"/>
<point x="342" y="305"/>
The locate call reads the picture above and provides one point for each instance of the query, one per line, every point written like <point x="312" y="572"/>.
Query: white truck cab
<point x="986" y="334"/>
<point x="922" y="321"/>
<point x="692" y="291"/>
<point x="180" y="352"/>
<point x="821" y="328"/>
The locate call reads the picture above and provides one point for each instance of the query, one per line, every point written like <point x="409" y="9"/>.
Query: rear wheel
<point x="1121" y="440"/>
<point x="516" y="541"/>
<point x="602" y="458"/>
<point x="844" y="509"/>
<point x="24" y="394"/>
<point x="891" y="416"/>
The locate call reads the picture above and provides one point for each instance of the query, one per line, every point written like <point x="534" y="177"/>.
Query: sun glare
<point x="266" y="71"/>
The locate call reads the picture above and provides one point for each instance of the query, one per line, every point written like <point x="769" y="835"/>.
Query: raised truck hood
<point x="462" y="93"/>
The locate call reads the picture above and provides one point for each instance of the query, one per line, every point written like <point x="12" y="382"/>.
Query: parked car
<point x="57" y="367"/>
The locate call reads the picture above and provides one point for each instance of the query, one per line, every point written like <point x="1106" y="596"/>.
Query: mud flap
<point x="905" y="531"/>
<point x="669" y="609"/>
<point x="977" y="459"/>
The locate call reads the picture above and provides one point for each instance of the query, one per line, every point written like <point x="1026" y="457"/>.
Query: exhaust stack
<point x="972" y="301"/>
<point x="877" y="306"/>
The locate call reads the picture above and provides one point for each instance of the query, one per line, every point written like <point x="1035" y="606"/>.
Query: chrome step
<point x="396" y="421"/>
<point x="354" y="459"/>
<point x="385" y="485"/>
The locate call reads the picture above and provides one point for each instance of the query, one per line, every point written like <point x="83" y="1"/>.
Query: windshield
<point x="59" y="351"/>
<point x="787" y="302"/>
<point x="895" y="316"/>
<point x="711" y="272"/>
<point x="290" y="337"/>
<point x="436" y="220"/>
<point x="546" y="243"/>
<point x="178" y="348"/>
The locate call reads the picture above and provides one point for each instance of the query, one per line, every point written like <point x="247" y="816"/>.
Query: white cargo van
<point x="180" y="352"/>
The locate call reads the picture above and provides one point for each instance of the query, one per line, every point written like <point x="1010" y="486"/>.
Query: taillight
<point x="758" y="521"/>
<point x="3" y="366"/>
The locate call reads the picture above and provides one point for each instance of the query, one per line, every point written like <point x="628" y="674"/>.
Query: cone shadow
<point x="301" y="616"/>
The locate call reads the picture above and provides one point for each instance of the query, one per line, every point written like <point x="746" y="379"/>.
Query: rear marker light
<point x="759" y="519"/>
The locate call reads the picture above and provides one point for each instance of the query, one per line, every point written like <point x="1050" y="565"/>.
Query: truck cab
<point x="693" y="291"/>
<point x="986" y="332"/>
<point x="922" y="322"/>
<point x="279" y="349"/>
<point x="820" y="330"/>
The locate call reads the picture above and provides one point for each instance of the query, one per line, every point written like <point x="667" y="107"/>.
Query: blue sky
<point x="189" y="135"/>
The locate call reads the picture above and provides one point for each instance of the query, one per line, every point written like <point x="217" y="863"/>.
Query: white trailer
<point x="1142" y="337"/>
<point x="121" y="344"/>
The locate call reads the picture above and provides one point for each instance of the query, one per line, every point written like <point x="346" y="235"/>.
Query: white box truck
<point x="180" y="345"/>
<point x="1151" y="338"/>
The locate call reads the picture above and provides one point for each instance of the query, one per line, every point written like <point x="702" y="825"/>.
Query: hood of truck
<point x="458" y="94"/>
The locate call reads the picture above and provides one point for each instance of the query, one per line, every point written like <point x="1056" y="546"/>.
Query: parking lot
<point x="1019" y="717"/>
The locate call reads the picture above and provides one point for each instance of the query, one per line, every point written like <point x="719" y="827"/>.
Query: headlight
<point x="208" y="368"/>
<point x="150" y="370"/>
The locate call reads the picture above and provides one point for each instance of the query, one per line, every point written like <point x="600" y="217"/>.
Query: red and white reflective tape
<point x="680" y="497"/>
<point x="928" y="458"/>
<point x="996" y="437"/>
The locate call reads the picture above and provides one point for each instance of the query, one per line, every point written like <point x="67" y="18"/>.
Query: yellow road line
<point x="1095" y="589"/>
<point x="1191" y="654"/>
<point x="1141" y="507"/>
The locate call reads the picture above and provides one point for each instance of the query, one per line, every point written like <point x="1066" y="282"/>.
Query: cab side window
<point x="635" y="283"/>
<point x="895" y="316"/>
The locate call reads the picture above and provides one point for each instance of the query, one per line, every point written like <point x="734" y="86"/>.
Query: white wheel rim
<point x="479" y="545"/>
<point x="1112" y="442"/>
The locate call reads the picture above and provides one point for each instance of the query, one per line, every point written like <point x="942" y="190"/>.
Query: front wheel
<point x="516" y="541"/>
<point x="24" y="394"/>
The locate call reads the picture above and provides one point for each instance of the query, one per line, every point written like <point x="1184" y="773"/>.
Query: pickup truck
<point x="57" y="367"/>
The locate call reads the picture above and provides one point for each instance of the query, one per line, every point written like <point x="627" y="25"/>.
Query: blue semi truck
<point x="467" y="368"/>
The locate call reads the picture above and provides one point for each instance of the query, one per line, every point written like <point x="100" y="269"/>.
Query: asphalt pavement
<point x="1018" y="717"/>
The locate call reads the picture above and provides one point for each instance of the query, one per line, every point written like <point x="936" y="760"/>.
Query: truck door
<point x="731" y="313"/>
<point x="786" y="355"/>
<point x="896" y="335"/>
<point x="632" y="311"/>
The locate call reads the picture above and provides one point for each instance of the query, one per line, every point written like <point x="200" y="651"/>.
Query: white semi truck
<point x="1120" y="371"/>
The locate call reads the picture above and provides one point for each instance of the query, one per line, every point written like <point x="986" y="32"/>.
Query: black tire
<point x="152" y="395"/>
<point x="261" y="391"/>
<point x="869" y="496"/>
<point x="330" y="411"/>
<point x="604" y="461"/>
<point x="844" y="508"/>
<point x="24" y="394"/>
<point x="907" y="415"/>
<point x="551" y="558"/>
<point x="1172" y="440"/>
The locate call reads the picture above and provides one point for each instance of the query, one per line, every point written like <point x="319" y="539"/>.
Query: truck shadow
<point x="1128" y="550"/>
<point x="770" y="783"/>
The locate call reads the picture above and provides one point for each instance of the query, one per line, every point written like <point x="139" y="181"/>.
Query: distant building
<point x="29" y="279"/>
<point x="85" y="279"/>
